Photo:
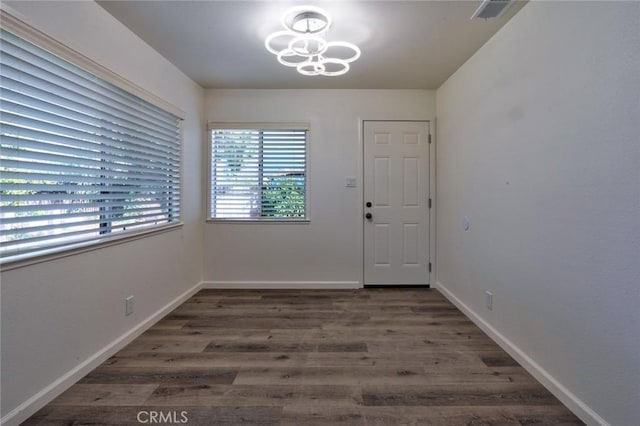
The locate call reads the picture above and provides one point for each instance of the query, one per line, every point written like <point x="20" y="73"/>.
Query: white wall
<point x="329" y="248"/>
<point x="538" y="144"/>
<point x="58" y="314"/>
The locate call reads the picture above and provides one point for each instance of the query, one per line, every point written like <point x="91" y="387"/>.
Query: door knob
<point x="368" y="215"/>
<point x="368" y="204"/>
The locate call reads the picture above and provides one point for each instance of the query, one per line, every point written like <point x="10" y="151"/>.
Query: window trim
<point x="295" y="125"/>
<point x="47" y="255"/>
<point x="12" y="23"/>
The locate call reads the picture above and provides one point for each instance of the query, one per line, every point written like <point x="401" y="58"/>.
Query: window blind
<point x="81" y="160"/>
<point x="258" y="173"/>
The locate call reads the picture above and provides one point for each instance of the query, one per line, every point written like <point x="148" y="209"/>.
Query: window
<point x="82" y="160"/>
<point x="258" y="172"/>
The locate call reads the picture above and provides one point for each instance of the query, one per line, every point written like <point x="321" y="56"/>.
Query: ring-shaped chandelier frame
<point x="307" y="49"/>
<point x="306" y="39"/>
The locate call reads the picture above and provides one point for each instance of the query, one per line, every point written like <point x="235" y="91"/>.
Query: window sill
<point x="261" y="221"/>
<point x="46" y="255"/>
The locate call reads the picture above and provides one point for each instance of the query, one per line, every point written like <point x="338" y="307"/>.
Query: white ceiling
<point x="220" y="44"/>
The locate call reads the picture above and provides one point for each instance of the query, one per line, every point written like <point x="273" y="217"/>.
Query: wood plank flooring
<point x="310" y="357"/>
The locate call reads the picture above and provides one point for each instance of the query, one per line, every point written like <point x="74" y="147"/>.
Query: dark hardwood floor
<point x="310" y="357"/>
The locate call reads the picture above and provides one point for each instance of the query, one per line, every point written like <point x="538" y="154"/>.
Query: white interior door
<point x="396" y="196"/>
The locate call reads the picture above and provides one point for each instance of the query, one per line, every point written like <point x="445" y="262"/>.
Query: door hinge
<point x="429" y="266"/>
<point x="429" y="202"/>
<point x="429" y="137"/>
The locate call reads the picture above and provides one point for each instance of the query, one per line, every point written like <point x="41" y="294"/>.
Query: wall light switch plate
<point x="351" y="182"/>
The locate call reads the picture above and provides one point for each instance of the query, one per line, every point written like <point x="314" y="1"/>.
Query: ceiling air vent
<point x="492" y="9"/>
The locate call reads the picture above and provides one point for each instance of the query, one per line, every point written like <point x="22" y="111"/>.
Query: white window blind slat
<point x="81" y="159"/>
<point x="72" y="235"/>
<point x="60" y="165"/>
<point x="250" y="170"/>
<point x="33" y="118"/>
<point x="40" y="107"/>
<point x="92" y="148"/>
<point x="22" y="140"/>
<point x="86" y="195"/>
<point x="52" y="68"/>
<point x="74" y="219"/>
<point x="117" y="220"/>
<point x="66" y="187"/>
<point x="40" y="89"/>
<point x="255" y="149"/>
<point x="96" y="178"/>
<point x="88" y="205"/>
<point x="258" y="173"/>
<point x="37" y="88"/>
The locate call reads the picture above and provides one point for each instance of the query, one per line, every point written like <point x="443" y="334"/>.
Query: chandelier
<point x="302" y="44"/>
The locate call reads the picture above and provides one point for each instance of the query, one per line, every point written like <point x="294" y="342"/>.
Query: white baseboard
<point x="50" y="392"/>
<point x="575" y="404"/>
<point x="283" y="285"/>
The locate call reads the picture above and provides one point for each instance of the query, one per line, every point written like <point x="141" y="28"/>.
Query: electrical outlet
<point x="128" y="305"/>
<point x="489" y="300"/>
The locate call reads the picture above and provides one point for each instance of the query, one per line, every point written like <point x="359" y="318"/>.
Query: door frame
<point x="431" y="278"/>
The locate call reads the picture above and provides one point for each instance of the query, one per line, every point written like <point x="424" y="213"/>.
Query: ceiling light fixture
<point x="302" y="44"/>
